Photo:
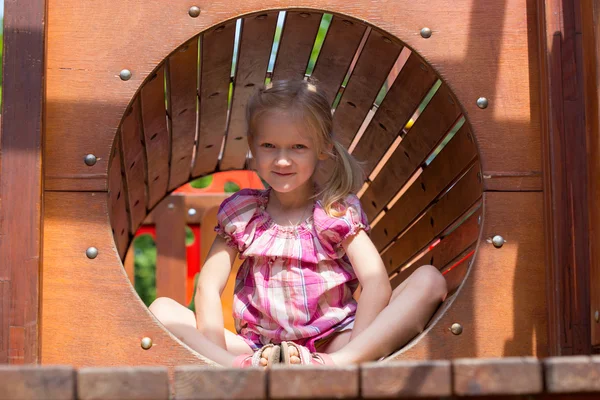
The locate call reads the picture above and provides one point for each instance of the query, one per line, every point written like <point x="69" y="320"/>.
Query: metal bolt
<point x="426" y="33"/>
<point x="597" y="316"/>
<point x="456" y="328"/>
<point x="192" y="212"/>
<point x="91" y="253"/>
<point x="90" y="160"/>
<point x="146" y="343"/>
<point x="125" y="75"/>
<point x="194" y="11"/>
<point x="171" y="206"/>
<point x="479" y="220"/>
<point x="482" y="102"/>
<point x="498" y="241"/>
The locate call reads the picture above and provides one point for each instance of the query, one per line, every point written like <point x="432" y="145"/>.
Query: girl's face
<point x="284" y="153"/>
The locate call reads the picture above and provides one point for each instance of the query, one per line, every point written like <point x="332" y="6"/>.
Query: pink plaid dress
<point x="295" y="283"/>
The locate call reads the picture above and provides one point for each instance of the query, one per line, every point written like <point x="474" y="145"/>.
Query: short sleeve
<point x="333" y="230"/>
<point x="235" y="215"/>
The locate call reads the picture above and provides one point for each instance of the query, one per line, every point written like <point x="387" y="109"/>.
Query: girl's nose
<point x="282" y="160"/>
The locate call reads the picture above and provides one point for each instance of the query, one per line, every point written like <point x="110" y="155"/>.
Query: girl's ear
<point x="325" y="154"/>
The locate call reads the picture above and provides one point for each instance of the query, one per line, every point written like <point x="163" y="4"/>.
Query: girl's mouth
<point x="283" y="174"/>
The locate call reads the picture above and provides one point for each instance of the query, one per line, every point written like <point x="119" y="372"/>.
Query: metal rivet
<point x="597" y="316"/>
<point x="194" y="11"/>
<point x="426" y="33"/>
<point x="125" y="75"/>
<point x="146" y="343"/>
<point x="91" y="253"/>
<point x="90" y="160"/>
<point x="456" y="329"/>
<point x="482" y="102"/>
<point x="171" y="206"/>
<point x="192" y="212"/>
<point x="479" y="220"/>
<point x="498" y="241"/>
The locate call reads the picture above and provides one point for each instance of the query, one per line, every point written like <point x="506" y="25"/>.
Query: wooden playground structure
<point x="477" y="121"/>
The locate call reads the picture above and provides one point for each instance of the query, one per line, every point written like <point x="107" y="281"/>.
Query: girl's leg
<point x="181" y="322"/>
<point x="410" y="308"/>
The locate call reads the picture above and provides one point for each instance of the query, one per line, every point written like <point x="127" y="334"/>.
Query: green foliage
<point x="145" y="268"/>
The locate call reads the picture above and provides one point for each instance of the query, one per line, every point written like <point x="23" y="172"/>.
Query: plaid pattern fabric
<point x="296" y="283"/>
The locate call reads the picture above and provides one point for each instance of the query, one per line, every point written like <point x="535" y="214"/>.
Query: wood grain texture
<point x="32" y="382"/>
<point x="96" y="294"/>
<point x="372" y="68"/>
<point x="21" y="186"/>
<point x="215" y="65"/>
<point x="134" y="165"/>
<point x="435" y="121"/>
<point x="200" y="202"/>
<point x="182" y="96"/>
<point x="496" y="55"/>
<point x="406" y="379"/>
<point x="253" y="58"/>
<point x="118" y="212"/>
<point x="206" y="383"/>
<point x="171" y="260"/>
<point x="572" y="374"/>
<point x="340" y="45"/>
<point x="501" y="304"/>
<point x="297" y="41"/>
<point x="156" y="136"/>
<point x="139" y="383"/>
<point x="476" y="377"/>
<point x="306" y="382"/>
<point x="401" y="101"/>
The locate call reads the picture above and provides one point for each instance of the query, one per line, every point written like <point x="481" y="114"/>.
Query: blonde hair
<point x="302" y="99"/>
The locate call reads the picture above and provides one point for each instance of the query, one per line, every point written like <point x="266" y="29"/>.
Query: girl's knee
<point x="432" y="281"/>
<point x="161" y="306"/>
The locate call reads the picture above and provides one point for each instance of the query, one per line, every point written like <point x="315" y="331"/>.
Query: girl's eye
<point x="299" y="146"/>
<point x="268" y="145"/>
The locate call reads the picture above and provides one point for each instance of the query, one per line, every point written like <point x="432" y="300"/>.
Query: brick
<point x="131" y="383"/>
<point x="406" y="379"/>
<point x="304" y="382"/>
<point x="35" y="382"/>
<point x="192" y="382"/>
<point x="577" y="374"/>
<point x="502" y="376"/>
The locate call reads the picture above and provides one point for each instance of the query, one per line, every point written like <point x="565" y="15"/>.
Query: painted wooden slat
<point x="220" y="383"/>
<point x="171" y="258"/>
<point x="253" y="58"/>
<point x="341" y="43"/>
<point x="457" y="269"/>
<point x="437" y="218"/>
<point x="291" y="383"/>
<point x="410" y="87"/>
<point x="148" y="383"/>
<point x="372" y="68"/>
<point x="217" y="53"/>
<point x="182" y="83"/>
<point x="443" y="170"/>
<point x="297" y="40"/>
<point x="119" y="215"/>
<point x="433" y="123"/>
<point x="156" y="136"/>
<point x="134" y="165"/>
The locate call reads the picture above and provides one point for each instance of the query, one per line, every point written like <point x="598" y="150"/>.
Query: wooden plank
<point x="171" y="259"/>
<point x="339" y="47"/>
<point x="217" y="52"/>
<point x="501" y="312"/>
<point x="182" y="94"/>
<point x="458" y="154"/>
<point x="372" y="68"/>
<point x="21" y="174"/>
<point x="129" y="264"/>
<point x="437" y="218"/>
<point x="458" y="268"/>
<point x="310" y="382"/>
<point x="410" y="87"/>
<point x="156" y="136"/>
<point x="297" y="40"/>
<point x="579" y="374"/>
<point x="255" y="45"/>
<point x="33" y="382"/>
<point x="527" y="182"/>
<point x="134" y="383"/>
<point x="208" y="383"/>
<point x="5" y="296"/>
<point x="134" y="165"/>
<point x="435" y="121"/>
<point x="489" y="377"/>
<point x="406" y="379"/>
<point x="200" y="203"/>
<point x="77" y="292"/>
<point x="119" y="215"/>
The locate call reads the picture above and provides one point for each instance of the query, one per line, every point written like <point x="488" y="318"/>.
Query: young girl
<point x="305" y="248"/>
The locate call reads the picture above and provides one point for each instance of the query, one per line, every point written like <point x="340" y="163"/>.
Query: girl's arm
<point x="211" y="282"/>
<point x="371" y="273"/>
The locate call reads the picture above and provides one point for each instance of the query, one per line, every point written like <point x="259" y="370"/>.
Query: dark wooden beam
<point x="21" y="180"/>
<point x="565" y="176"/>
